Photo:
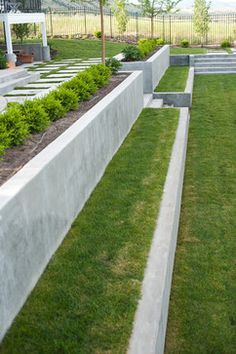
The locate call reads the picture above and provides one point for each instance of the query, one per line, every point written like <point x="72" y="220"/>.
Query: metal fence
<point x="173" y="28"/>
<point x="83" y="21"/>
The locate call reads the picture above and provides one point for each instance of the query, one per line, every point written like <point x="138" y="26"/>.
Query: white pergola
<point x="11" y="18"/>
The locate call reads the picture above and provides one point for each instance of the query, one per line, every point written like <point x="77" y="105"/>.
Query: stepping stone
<point x="48" y="80"/>
<point x="55" y="65"/>
<point x="38" y="85"/>
<point x="68" y="71"/>
<point x="60" y="75"/>
<point x="19" y="99"/>
<point x="24" y="92"/>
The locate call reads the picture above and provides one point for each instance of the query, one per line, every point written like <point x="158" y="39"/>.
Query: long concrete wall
<point x="153" y="69"/>
<point x="38" y="204"/>
<point x="150" y="323"/>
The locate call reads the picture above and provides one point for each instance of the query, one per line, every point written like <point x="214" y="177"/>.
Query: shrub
<point x="79" y="87"/>
<point x="184" y="43"/>
<point x="5" y="140"/>
<point x="3" y="60"/>
<point x="100" y="74"/>
<point x="67" y="98"/>
<point x="132" y="53"/>
<point x="114" y="65"/>
<point x="160" y="41"/>
<point x="146" y="46"/>
<point x="21" y="30"/>
<point x="89" y="78"/>
<point x="52" y="107"/>
<point x="14" y="123"/>
<point x="225" y="44"/>
<point x="98" y="34"/>
<point x="35" y="116"/>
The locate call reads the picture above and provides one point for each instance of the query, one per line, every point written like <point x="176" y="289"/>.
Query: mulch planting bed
<point x="15" y="158"/>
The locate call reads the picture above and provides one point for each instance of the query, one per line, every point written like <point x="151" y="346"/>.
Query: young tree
<point x="121" y="15"/>
<point x="21" y="30"/>
<point x="152" y="8"/>
<point x="101" y="4"/>
<point x="201" y="18"/>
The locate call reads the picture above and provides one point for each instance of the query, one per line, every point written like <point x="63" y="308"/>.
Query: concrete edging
<point x="153" y="69"/>
<point x="179" y="99"/>
<point x="40" y="202"/>
<point x="151" y="316"/>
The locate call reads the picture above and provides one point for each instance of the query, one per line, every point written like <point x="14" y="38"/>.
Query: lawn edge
<point x="149" y="329"/>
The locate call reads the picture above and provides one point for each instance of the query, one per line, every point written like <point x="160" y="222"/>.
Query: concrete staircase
<point x="215" y="64"/>
<point x="11" y="78"/>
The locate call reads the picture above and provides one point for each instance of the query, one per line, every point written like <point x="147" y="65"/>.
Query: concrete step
<point x="211" y="56"/>
<point x="147" y="98"/>
<point x="218" y="58"/>
<point x="12" y="74"/>
<point x="156" y="103"/>
<point x="8" y="86"/>
<point x="214" y="64"/>
<point x="215" y="68"/>
<point x="215" y="72"/>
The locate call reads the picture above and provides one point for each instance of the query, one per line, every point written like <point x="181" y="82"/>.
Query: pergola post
<point x="7" y="27"/>
<point x="44" y="34"/>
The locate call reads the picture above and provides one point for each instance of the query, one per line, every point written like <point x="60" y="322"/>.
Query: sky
<point x="215" y="4"/>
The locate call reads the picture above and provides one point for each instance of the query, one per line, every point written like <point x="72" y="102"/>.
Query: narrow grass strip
<point x="202" y="315"/>
<point x="174" y="79"/>
<point x="187" y="51"/>
<point x="85" y="301"/>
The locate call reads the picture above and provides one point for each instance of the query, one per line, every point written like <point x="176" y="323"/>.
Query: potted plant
<point x="22" y="30"/>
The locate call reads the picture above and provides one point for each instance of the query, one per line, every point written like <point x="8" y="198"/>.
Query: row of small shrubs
<point x="19" y="121"/>
<point x="144" y="48"/>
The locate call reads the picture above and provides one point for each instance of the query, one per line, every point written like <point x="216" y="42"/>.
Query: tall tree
<point x="121" y="15"/>
<point x="201" y="18"/>
<point x="153" y="8"/>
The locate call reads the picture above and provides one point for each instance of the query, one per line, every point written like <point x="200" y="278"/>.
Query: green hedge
<point x="144" y="48"/>
<point x="34" y="116"/>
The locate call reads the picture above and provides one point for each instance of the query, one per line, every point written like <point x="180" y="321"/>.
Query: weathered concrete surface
<point x="40" y="52"/>
<point x="178" y="99"/>
<point x="151" y="317"/>
<point x="153" y="69"/>
<point x="179" y="60"/>
<point x="39" y="203"/>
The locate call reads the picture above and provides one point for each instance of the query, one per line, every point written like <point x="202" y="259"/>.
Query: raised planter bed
<point x="153" y="68"/>
<point x="39" y="203"/>
<point x="179" y="99"/>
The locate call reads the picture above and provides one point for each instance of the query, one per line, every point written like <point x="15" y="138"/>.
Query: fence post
<point x="163" y="27"/>
<point x="136" y="25"/>
<point x="85" y="21"/>
<point x="110" y="24"/>
<point x="51" y="23"/>
<point x="170" y="28"/>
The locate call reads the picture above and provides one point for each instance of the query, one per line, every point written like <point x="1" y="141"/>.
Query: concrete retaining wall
<point x="153" y="69"/>
<point x="40" y="52"/>
<point x="39" y="203"/>
<point x="179" y="60"/>
<point x="151" y="317"/>
<point x="179" y="99"/>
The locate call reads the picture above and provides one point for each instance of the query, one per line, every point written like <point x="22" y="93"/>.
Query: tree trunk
<point x="152" y="27"/>
<point x="102" y="30"/>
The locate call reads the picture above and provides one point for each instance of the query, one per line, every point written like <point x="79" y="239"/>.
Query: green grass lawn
<point x="174" y="79"/>
<point x="202" y="317"/>
<point x="174" y="51"/>
<point x="86" y="299"/>
<point x="74" y="48"/>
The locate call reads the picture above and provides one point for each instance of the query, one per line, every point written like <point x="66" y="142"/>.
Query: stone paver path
<point x="52" y="74"/>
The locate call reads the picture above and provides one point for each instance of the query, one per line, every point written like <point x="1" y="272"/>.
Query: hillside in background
<point x="65" y="4"/>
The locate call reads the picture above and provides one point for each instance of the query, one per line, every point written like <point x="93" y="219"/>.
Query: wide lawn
<point x="174" y="51"/>
<point x="174" y="80"/>
<point x="85" y="301"/>
<point x="74" y="48"/>
<point x="202" y="317"/>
